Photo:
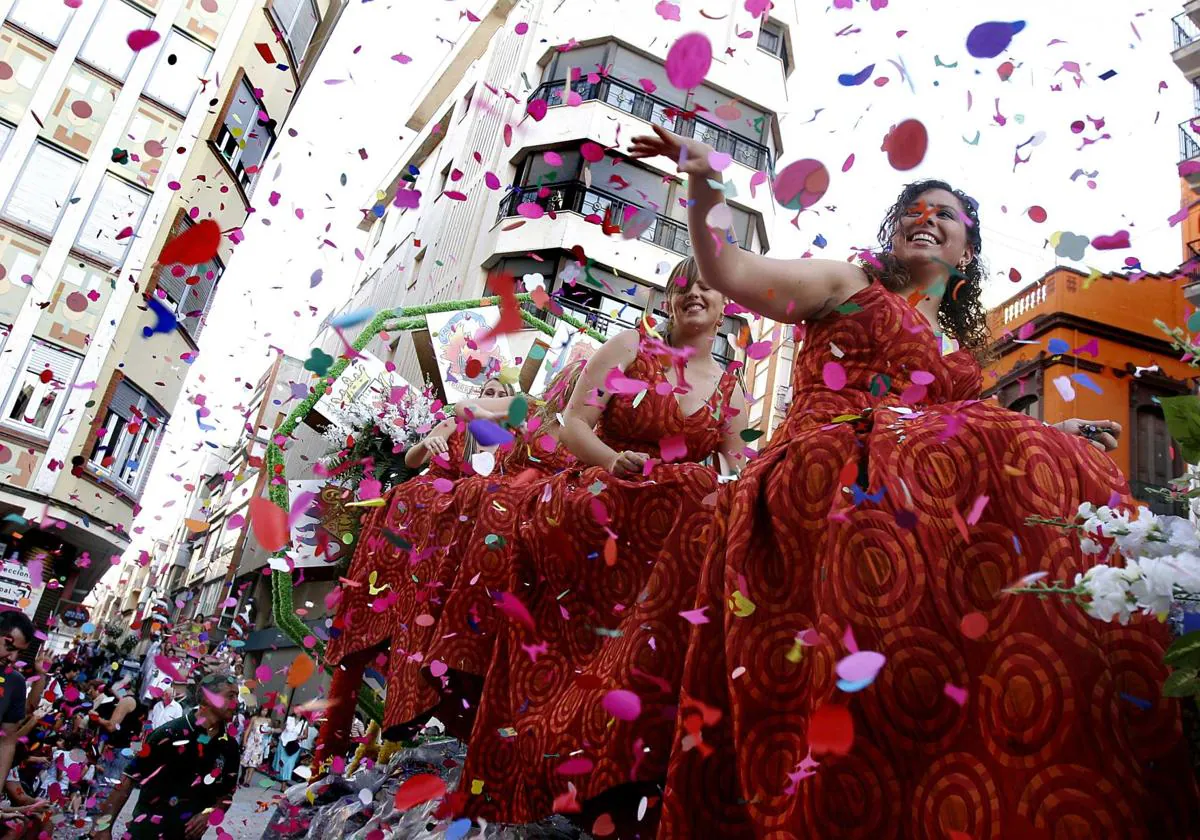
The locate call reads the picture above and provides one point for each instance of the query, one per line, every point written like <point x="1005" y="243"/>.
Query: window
<point x="43" y="187"/>
<point x="771" y="39"/>
<point x="47" y="21"/>
<point x="104" y="48"/>
<point x="6" y="131"/>
<point x="189" y="288"/>
<point x="416" y="268"/>
<point x="176" y="76"/>
<point x="243" y="139"/>
<point x="128" y="438"/>
<point x="1022" y="396"/>
<point x="118" y="206"/>
<point x="297" y="19"/>
<point x="37" y="397"/>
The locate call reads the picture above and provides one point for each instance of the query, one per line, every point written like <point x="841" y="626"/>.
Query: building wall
<point x="1098" y="334"/>
<point x="473" y="128"/>
<point x="82" y="285"/>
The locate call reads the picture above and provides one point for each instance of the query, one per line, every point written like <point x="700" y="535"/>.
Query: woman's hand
<point x="436" y="445"/>
<point x="628" y="463"/>
<point x="1102" y="434"/>
<point x="689" y="154"/>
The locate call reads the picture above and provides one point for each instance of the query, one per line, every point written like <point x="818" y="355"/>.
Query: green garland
<point x="404" y="319"/>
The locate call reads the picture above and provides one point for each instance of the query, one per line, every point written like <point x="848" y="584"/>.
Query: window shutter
<point x="118" y="205"/>
<point x="243" y="110"/>
<point x="285" y="12"/>
<point x="125" y="399"/>
<point x="43" y="188"/>
<point x="199" y="297"/>
<point x="175" y="287"/>
<point x="303" y="29"/>
<point x="62" y="364"/>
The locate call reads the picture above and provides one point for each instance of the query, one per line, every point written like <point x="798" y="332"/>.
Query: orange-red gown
<point x="994" y="716"/>
<point x="600" y="571"/>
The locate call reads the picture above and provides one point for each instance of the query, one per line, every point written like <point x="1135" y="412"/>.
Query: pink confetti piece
<point x="512" y="607"/>
<point x="759" y="350"/>
<point x="622" y="704"/>
<point x="958" y="695"/>
<point x="617" y="382"/>
<point x="977" y="509"/>
<point x="1065" y="389"/>
<point x="696" y="616"/>
<point x="576" y="766"/>
<point x="139" y="39"/>
<point x="860" y="666"/>
<point x="1114" y="242"/>
<point x="401" y="58"/>
<point x="438" y="668"/>
<point x="689" y="60"/>
<point x="834" y="376"/>
<point x="848" y="640"/>
<point x="530" y="210"/>
<point x="263" y="673"/>
<point x="756" y="180"/>
<point x="165" y="665"/>
<point x="673" y="448"/>
<point x="443" y="485"/>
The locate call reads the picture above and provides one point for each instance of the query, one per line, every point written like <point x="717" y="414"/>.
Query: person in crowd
<point x="16" y="635"/>
<point x="257" y="746"/>
<point x="602" y="561"/>
<point x="186" y="769"/>
<point x="166" y="708"/>
<point x="451" y="443"/>
<point x="441" y="527"/>
<point x="891" y="505"/>
<point x="291" y="742"/>
<point x="118" y="717"/>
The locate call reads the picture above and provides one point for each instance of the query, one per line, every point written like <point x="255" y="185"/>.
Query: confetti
<point x="418" y="789"/>
<point x="988" y="40"/>
<point x="801" y="184"/>
<point x="268" y="523"/>
<point x="689" y="60"/>
<point x="905" y="145"/>
<point x="622" y="704"/>
<point x="830" y="730"/>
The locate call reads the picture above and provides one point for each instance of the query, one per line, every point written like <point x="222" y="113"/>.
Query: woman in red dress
<point x="581" y="693"/>
<point x="411" y="554"/>
<point x="887" y="516"/>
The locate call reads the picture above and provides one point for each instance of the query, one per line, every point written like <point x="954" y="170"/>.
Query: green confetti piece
<point x="518" y="410"/>
<point x="751" y="435"/>
<point x="847" y="308"/>
<point x="537" y="352"/>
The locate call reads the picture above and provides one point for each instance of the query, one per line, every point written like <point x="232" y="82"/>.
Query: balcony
<point x="1186" y="54"/>
<point x="1016" y="309"/>
<point x="602" y="322"/>
<point x="651" y="109"/>
<point x="577" y="197"/>
<point x="1161" y="500"/>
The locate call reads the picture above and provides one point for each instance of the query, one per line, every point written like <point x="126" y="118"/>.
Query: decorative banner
<point x="365" y="379"/>
<point x="304" y="528"/>
<point x="17" y="585"/>
<point x="568" y="345"/>
<point x="466" y="361"/>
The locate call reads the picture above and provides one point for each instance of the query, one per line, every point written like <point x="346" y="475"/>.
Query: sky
<point x="1102" y="157"/>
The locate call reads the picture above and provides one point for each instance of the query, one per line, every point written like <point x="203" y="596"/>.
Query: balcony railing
<point x="577" y="197"/>
<point x="651" y="109"/>
<point x="601" y="322"/>
<point x="1189" y="147"/>
<point x="1184" y="29"/>
<point x="1161" y="500"/>
<point x="1035" y="298"/>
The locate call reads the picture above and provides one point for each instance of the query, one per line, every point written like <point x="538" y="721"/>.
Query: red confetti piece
<point x="831" y="730"/>
<point x="268" y="522"/>
<point x="1038" y="214"/>
<point x="906" y="145"/>
<point x="576" y="766"/>
<point x="198" y="244"/>
<point x="673" y="448"/>
<point x="264" y="51"/>
<point x="139" y="39"/>
<point x="592" y="152"/>
<point x="973" y="625"/>
<point x="419" y="789"/>
<point x="801" y="184"/>
<point x="1116" y="241"/>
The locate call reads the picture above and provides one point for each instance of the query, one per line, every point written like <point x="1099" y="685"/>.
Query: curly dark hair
<point x="961" y="313"/>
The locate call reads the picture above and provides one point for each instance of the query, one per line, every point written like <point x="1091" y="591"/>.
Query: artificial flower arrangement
<point x="375" y="435"/>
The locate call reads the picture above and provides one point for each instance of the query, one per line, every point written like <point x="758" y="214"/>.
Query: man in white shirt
<point x="166" y="709"/>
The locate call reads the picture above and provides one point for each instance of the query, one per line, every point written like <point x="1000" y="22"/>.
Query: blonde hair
<point x="557" y="394"/>
<point x="509" y="390"/>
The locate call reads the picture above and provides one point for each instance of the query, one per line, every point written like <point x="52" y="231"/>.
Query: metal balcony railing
<point x="1161" y="500"/>
<point x="577" y="197"/>
<point x="1189" y="146"/>
<point x="602" y="322"/>
<point x="651" y="109"/>
<point x="1184" y="29"/>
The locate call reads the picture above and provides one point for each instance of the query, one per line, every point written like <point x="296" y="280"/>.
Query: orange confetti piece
<point x="610" y="552"/>
<point x="301" y="670"/>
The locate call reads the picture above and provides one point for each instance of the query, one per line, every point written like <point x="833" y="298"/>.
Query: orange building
<point x="1079" y="345"/>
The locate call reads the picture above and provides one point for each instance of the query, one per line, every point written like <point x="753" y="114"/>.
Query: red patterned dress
<point x="1026" y="720"/>
<point x="602" y="569"/>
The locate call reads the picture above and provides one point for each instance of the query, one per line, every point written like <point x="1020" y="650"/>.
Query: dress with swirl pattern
<point x="603" y="566"/>
<point x="430" y="599"/>
<point x="1028" y="720"/>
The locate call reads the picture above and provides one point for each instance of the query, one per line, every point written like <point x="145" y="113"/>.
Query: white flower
<point x="1090" y="546"/>
<point x="1108" y="589"/>
<point x="1086" y="511"/>
<point x="1154" y="587"/>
